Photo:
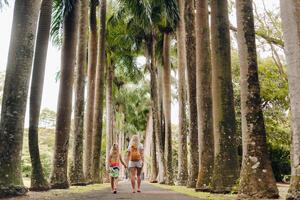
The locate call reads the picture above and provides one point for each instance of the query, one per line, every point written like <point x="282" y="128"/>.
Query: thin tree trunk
<point x="76" y="171"/>
<point x="290" y="14"/>
<point x="99" y="94"/>
<point x="152" y="143"/>
<point x="204" y="97"/>
<point x="183" y="129"/>
<point x="15" y="94"/>
<point x="59" y="173"/>
<point x="191" y="72"/>
<point x="92" y="62"/>
<point x="226" y="165"/>
<point x="150" y="46"/>
<point x="167" y="108"/>
<point x="160" y="100"/>
<point x="109" y="111"/>
<point x="38" y="180"/>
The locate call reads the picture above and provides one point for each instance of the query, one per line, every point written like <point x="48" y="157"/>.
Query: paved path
<point x="149" y="192"/>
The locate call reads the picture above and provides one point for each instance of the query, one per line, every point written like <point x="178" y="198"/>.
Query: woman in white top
<point x="135" y="159"/>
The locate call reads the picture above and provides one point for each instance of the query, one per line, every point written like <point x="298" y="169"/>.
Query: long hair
<point x="135" y="141"/>
<point x="114" y="149"/>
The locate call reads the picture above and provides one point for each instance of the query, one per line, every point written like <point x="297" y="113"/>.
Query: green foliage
<point x="47" y="118"/>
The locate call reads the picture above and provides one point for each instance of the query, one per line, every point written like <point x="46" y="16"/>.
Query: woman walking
<point x="135" y="159"/>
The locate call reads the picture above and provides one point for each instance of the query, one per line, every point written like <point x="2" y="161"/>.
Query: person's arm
<point x="127" y="157"/>
<point x="123" y="163"/>
<point x="142" y="155"/>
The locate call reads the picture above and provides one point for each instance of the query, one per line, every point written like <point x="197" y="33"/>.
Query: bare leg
<point x="133" y="173"/>
<point x="139" y="180"/>
<point x="112" y="183"/>
<point x="116" y="183"/>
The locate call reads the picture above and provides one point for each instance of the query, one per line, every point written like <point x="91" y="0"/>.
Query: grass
<point x="283" y="188"/>
<point x="201" y="195"/>
<point x="62" y="193"/>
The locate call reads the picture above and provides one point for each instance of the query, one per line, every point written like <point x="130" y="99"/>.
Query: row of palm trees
<point x="208" y="157"/>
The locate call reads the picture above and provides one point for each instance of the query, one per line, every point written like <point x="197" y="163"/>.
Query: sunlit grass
<point x="283" y="188"/>
<point x="201" y="195"/>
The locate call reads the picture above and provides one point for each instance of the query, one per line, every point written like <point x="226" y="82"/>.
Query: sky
<point x="50" y="94"/>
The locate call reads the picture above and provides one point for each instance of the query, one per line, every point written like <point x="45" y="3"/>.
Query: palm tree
<point x="290" y="14"/>
<point x="99" y="94"/>
<point x="76" y="171"/>
<point x="92" y="62"/>
<point x="226" y="165"/>
<point x="38" y="181"/>
<point x="182" y="143"/>
<point x="191" y="78"/>
<point x="204" y="97"/>
<point x="59" y="177"/>
<point x="256" y="164"/>
<point x="167" y="106"/>
<point x="144" y="24"/>
<point x="15" y="94"/>
<point x="109" y="107"/>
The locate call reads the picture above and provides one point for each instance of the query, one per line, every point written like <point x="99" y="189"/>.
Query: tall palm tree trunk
<point x="109" y="111"/>
<point x="38" y="180"/>
<point x="150" y="46"/>
<point x="15" y="94"/>
<point x="89" y="117"/>
<point x="256" y="164"/>
<point x="204" y="97"/>
<point x="76" y="171"/>
<point x="290" y="14"/>
<point x="154" y="172"/>
<point x="191" y="78"/>
<point x="226" y="165"/>
<point x="59" y="173"/>
<point x="160" y="101"/>
<point x="182" y="143"/>
<point x="167" y="108"/>
<point x="99" y="94"/>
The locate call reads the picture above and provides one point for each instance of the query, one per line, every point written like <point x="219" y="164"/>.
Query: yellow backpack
<point x="135" y="154"/>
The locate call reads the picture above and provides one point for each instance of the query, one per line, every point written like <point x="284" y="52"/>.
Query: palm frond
<point x="60" y="9"/>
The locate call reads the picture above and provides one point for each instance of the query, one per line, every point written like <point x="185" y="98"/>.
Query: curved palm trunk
<point x="182" y="143"/>
<point x="15" y="93"/>
<point x="76" y="171"/>
<point x="256" y="164"/>
<point x="59" y="173"/>
<point x="150" y="46"/>
<point x="38" y="180"/>
<point x="290" y="14"/>
<point x="109" y="111"/>
<point x="167" y="108"/>
<point x="226" y="165"/>
<point x="204" y="97"/>
<point x="191" y="78"/>
<point x="89" y="117"/>
<point x="99" y="94"/>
